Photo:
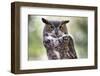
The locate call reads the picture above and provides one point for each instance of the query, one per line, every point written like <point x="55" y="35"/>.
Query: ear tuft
<point x="64" y="22"/>
<point x="67" y="21"/>
<point x="45" y="21"/>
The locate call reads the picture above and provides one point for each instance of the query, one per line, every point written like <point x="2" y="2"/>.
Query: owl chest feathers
<point x="56" y="44"/>
<point x="57" y="41"/>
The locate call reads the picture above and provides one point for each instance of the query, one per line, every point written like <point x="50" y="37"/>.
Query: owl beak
<point x="56" y="32"/>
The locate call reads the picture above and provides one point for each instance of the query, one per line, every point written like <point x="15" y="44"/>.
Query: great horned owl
<point x="58" y="43"/>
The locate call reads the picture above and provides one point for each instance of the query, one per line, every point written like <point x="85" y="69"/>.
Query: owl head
<point x="55" y="28"/>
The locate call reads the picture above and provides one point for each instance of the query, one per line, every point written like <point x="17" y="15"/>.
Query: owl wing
<point x="49" y="45"/>
<point x="72" y="52"/>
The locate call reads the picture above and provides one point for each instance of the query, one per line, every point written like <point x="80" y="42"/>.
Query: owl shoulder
<point x="70" y="37"/>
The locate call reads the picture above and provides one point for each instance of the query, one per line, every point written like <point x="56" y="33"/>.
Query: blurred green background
<point x="77" y="27"/>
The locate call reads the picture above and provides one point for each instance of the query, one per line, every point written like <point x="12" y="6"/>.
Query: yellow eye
<point x="61" y="27"/>
<point x="51" y="27"/>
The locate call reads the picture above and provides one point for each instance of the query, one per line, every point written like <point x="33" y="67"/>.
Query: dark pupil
<point x="51" y="27"/>
<point x="60" y="27"/>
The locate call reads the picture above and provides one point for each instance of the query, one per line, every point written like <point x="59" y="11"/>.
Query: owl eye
<point x="51" y="27"/>
<point x="61" y="27"/>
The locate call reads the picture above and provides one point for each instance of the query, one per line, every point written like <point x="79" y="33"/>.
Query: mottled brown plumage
<point x="58" y="43"/>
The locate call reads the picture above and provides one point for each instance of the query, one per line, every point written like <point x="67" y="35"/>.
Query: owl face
<point x="55" y="28"/>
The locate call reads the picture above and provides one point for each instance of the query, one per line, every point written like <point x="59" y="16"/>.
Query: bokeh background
<point x="77" y="27"/>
